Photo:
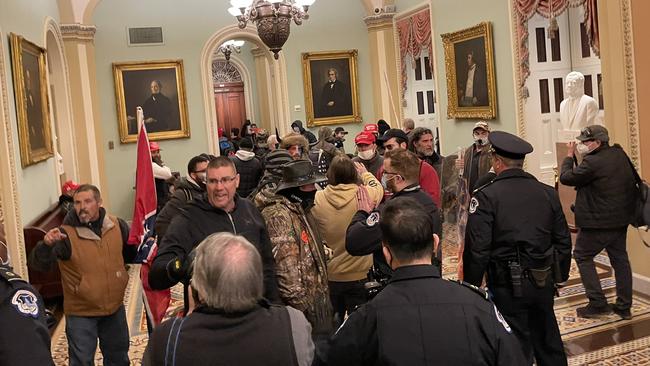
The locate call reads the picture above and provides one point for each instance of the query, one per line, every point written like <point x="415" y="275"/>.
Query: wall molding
<point x="78" y="31"/>
<point x="630" y="84"/>
<point x="8" y="179"/>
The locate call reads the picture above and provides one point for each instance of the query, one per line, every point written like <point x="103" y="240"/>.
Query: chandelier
<point x="272" y="17"/>
<point x="228" y="47"/>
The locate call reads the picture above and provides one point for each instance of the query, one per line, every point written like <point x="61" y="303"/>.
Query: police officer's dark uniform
<point x="24" y="337"/>
<point x="420" y="319"/>
<point x="363" y="235"/>
<point x="515" y="226"/>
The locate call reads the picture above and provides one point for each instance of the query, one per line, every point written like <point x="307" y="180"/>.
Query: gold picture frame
<point x="335" y="103"/>
<point x="32" y="103"/>
<point x="474" y="46"/>
<point x="164" y="106"/>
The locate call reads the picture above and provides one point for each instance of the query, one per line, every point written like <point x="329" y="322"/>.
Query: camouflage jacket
<point x="300" y="261"/>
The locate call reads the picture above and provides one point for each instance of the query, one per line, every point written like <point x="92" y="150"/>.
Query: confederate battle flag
<point x="142" y="227"/>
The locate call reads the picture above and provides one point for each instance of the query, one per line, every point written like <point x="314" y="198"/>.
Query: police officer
<point x="24" y="337"/>
<point x="516" y="231"/>
<point x="419" y="318"/>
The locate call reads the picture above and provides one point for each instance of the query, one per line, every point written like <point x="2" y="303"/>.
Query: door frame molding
<point x="276" y="78"/>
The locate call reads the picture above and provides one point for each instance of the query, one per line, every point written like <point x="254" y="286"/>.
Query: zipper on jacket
<point x="234" y="230"/>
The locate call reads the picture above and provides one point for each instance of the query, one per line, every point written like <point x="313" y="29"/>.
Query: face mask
<point x="366" y="155"/>
<point x="296" y="129"/>
<point x="480" y="140"/>
<point x="384" y="182"/>
<point x="582" y="149"/>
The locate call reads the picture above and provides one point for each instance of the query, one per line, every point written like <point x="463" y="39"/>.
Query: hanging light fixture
<point x="228" y="47"/>
<point x="272" y="17"/>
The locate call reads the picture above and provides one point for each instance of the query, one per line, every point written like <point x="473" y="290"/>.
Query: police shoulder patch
<point x="25" y="303"/>
<point x="502" y="320"/>
<point x="373" y="219"/>
<point x="473" y="205"/>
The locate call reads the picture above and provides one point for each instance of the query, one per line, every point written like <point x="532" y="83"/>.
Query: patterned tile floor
<point x="635" y="352"/>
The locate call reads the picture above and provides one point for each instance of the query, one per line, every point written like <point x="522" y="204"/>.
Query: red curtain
<point x="527" y="8"/>
<point x="414" y="34"/>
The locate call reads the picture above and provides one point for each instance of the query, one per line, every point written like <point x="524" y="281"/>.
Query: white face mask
<point x="582" y="149"/>
<point x="296" y="129"/>
<point x="366" y="155"/>
<point x="479" y="140"/>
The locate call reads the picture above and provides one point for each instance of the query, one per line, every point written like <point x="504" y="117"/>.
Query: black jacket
<point x="265" y="335"/>
<point x="515" y="211"/>
<point x="421" y="319"/>
<point x="250" y="172"/>
<point x="184" y="192"/>
<point x="24" y="337"/>
<point x="311" y="138"/>
<point x="198" y="221"/>
<point x="363" y="235"/>
<point x="606" y="188"/>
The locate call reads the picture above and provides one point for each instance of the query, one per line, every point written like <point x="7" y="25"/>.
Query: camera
<point x="376" y="282"/>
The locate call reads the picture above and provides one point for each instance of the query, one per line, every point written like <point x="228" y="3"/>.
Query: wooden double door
<point x="230" y="105"/>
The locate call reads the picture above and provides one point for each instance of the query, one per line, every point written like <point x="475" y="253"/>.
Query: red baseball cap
<point x="371" y="127"/>
<point x="153" y="146"/>
<point x="69" y="186"/>
<point x="365" y="138"/>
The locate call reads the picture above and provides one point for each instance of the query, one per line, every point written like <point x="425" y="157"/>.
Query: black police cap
<point x="509" y="146"/>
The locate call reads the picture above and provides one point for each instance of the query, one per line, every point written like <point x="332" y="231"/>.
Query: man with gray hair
<point x="231" y="323"/>
<point x="408" y="125"/>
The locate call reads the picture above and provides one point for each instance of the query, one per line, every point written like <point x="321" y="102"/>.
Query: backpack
<point x="642" y="206"/>
<point x="226" y="147"/>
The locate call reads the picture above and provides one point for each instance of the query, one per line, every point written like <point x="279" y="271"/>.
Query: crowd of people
<point x="292" y="252"/>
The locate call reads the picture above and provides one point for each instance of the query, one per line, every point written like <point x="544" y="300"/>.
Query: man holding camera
<point x="516" y="231"/>
<point x="419" y="318"/>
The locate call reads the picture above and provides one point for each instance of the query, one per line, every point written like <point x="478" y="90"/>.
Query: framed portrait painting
<point x="331" y="87"/>
<point x="471" y="83"/>
<point x="159" y="88"/>
<point x="32" y="104"/>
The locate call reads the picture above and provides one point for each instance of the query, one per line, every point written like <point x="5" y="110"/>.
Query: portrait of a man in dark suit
<point x="330" y="81"/>
<point x="34" y="108"/>
<point x="157" y="109"/>
<point x="335" y="97"/>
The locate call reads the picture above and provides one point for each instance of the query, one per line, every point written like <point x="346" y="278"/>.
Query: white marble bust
<point x="577" y="110"/>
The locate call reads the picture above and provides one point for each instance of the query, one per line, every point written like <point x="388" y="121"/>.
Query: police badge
<point x="473" y="205"/>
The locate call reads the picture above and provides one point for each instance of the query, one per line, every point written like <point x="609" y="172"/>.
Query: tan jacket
<point x="334" y="208"/>
<point x="94" y="278"/>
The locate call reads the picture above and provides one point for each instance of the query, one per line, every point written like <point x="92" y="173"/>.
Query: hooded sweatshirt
<point x="308" y="135"/>
<point x="334" y="208"/>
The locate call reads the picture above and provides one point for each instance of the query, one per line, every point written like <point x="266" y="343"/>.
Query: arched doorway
<point x="60" y="105"/>
<point x="230" y="100"/>
<point x="271" y="83"/>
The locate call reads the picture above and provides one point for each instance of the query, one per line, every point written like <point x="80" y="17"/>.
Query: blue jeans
<point x="113" y="332"/>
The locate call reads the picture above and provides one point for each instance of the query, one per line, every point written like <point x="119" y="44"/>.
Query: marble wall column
<point x="80" y="53"/>
<point x="383" y="56"/>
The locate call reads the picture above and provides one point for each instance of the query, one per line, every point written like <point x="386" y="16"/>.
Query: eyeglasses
<point x="223" y="180"/>
<point x="391" y="173"/>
